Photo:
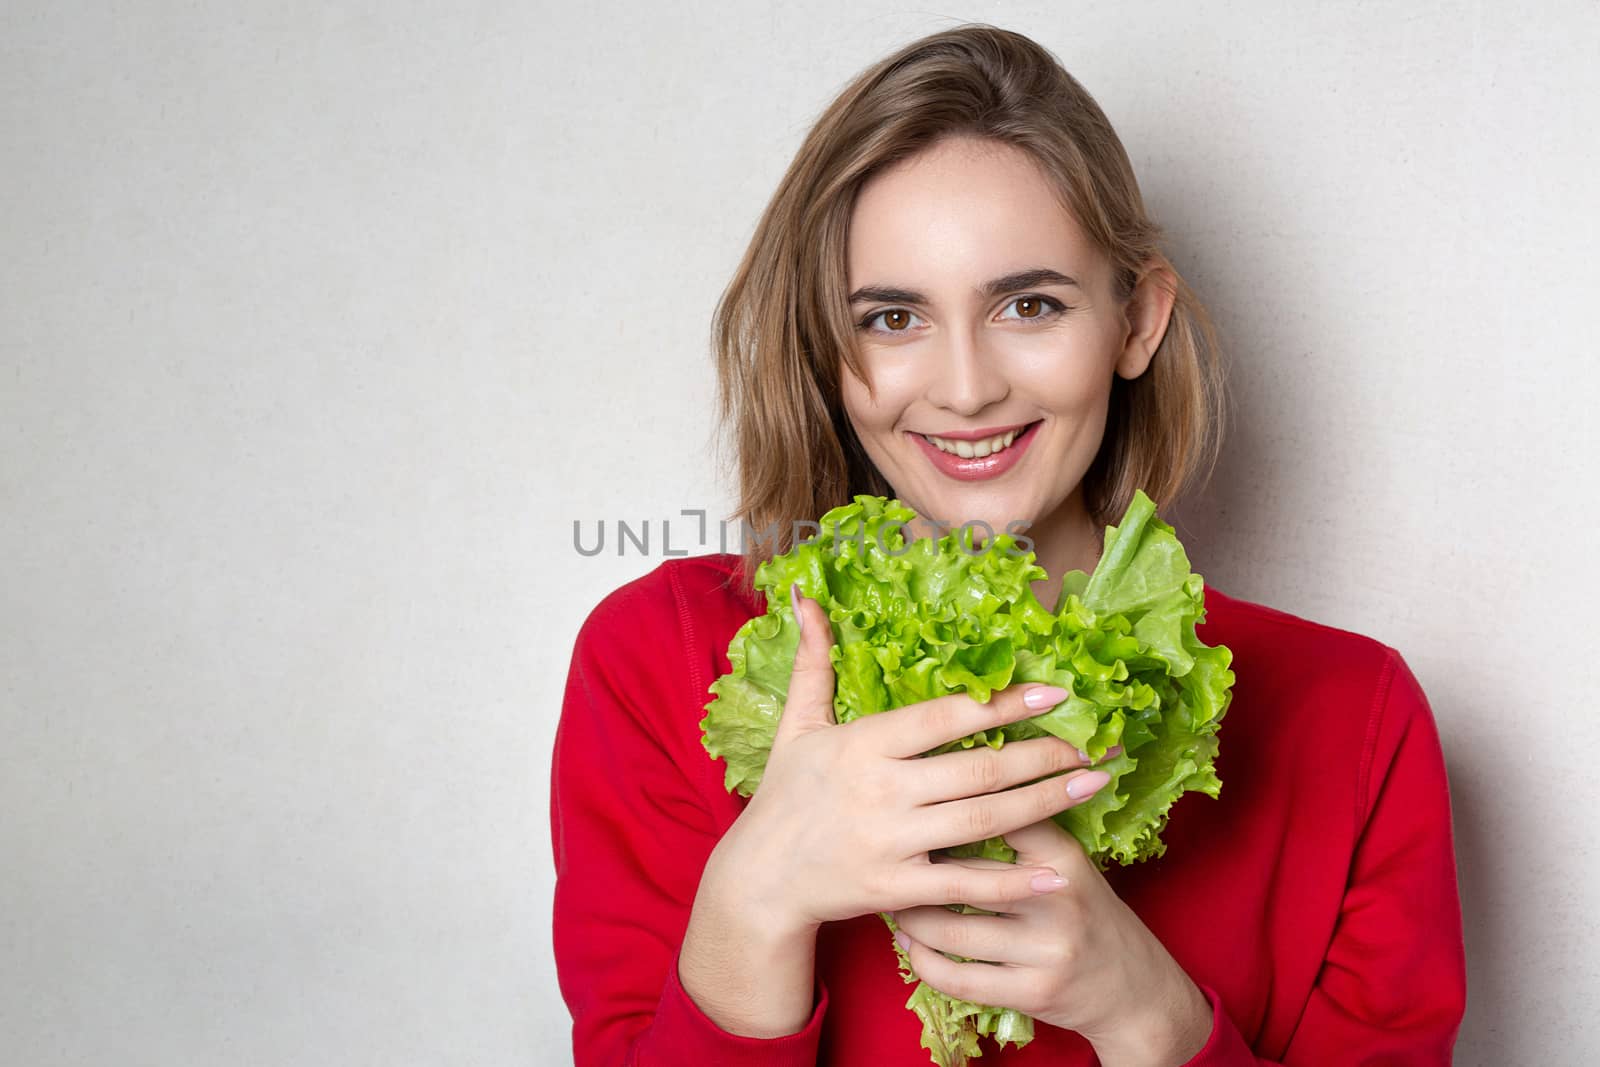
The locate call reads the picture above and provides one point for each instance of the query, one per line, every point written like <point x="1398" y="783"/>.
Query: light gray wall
<point x="319" y="325"/>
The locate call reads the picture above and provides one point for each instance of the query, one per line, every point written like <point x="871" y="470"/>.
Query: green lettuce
<point x="918" y="619"/>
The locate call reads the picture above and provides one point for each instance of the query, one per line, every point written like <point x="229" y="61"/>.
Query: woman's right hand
<point x="846" y="815"/>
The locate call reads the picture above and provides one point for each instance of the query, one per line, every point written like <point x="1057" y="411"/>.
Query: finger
<point x="1001" y="985"/>
<point x="979" y="770"/>
<point x="995" y="814"/>
<point x="1017" y="908"/>
<point x="994" y="938"/>
<point x="991" y="890"/>
<point x="916" y="728"/>
<point x="809" y="703"/>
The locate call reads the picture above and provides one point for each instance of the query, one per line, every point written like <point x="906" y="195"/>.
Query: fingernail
<point x="903" y="939"/>
<point x="794" y="602"/>
<point x="1044" y="882"/>
<point x="1044" y="696"/>
<point x="1083" y="755"/>
<point x="1114" y="750"/>
<point x="1084" y="785"/>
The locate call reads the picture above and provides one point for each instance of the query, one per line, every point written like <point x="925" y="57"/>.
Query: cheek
<point x="853" y="395"/>
<point x="1067" y="384"/>
<point x="1081" y="396"/>
<point x="867" y="414"/>
<point x="1063" y="367"/>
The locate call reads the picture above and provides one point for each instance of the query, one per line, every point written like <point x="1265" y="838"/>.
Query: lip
<point x="979" y="435"/>
<point x="976" y="469"/>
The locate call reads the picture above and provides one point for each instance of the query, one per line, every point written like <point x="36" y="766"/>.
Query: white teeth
<point x="974" y="449"/>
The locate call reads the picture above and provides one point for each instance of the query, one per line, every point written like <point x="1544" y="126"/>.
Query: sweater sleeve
<point x="631" y="833"/>
<point x="1392" y="987"/>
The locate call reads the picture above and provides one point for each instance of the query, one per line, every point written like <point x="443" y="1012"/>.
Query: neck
<point x="1066" y="540"/>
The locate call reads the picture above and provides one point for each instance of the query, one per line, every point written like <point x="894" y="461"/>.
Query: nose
<point x="967" y="377"/>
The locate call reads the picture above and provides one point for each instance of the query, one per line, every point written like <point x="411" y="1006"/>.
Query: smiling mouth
<point x="987" y="446"/>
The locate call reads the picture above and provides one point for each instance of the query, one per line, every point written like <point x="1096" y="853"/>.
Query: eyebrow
<point x="1022" y="279"/>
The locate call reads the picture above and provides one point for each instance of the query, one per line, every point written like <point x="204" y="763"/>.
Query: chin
<point x="997" y="510"/>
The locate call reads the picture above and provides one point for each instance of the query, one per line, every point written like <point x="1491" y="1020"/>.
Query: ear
<point x="1149" y="310"/>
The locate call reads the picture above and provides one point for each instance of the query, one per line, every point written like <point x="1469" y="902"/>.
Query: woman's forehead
<point x="959" y="213"/>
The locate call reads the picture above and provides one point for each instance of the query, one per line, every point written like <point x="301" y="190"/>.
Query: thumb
<point x="810" y="700"/>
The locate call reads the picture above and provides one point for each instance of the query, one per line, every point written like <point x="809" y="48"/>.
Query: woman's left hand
<point x="1077" y="957"/>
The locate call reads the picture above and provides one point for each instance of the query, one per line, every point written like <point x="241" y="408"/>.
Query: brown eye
<point x="1035" y="307"/>
<point x="897" y="320"/>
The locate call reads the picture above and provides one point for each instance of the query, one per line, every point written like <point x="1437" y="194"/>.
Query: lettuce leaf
<point x="918" y="619"/>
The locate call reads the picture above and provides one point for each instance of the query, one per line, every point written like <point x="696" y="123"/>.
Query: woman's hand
<point x="1078" y="958"/>
<point x="846" y="815"/>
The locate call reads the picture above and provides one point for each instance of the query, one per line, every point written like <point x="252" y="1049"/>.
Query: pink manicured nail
<point x="1084" y="785"/>
<point x="1044" y="882"/>
<point x="1114" y="750"/>
<point x="794" y="602"/>
<point x="1044" y="696"/>
<point x="904" y="939"/>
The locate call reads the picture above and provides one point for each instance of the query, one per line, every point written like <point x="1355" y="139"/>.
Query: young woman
<point x="957" y="298"/>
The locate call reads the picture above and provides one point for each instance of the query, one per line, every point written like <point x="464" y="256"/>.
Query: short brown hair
<point x="783" y="324"/>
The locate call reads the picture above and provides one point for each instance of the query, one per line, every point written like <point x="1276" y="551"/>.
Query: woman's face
<point x="983" y="311"/>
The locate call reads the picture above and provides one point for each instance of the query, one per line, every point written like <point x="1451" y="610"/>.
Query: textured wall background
<point x="320" y="324"/>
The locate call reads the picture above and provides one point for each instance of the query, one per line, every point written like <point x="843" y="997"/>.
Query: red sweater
<point x="1314" y="902"/>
